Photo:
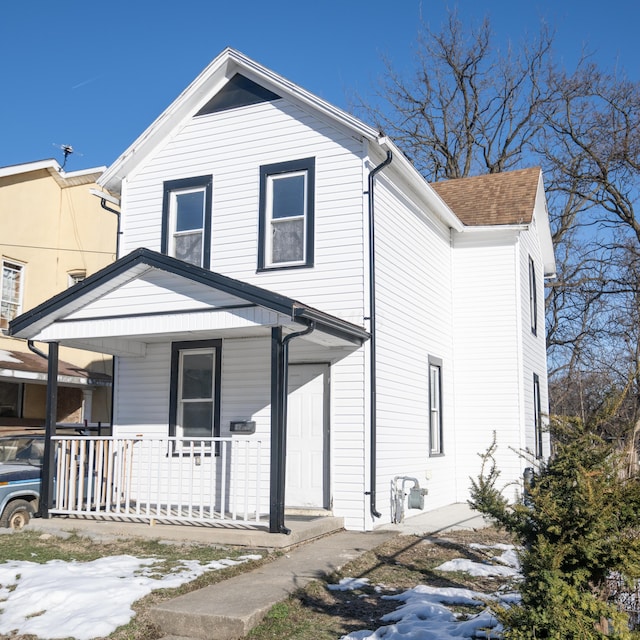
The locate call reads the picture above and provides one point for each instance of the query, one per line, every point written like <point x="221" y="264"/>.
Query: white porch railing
<point x="213" y="480"/>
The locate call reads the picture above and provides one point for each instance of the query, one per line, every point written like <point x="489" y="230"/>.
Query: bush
<point x="576" y="525"/>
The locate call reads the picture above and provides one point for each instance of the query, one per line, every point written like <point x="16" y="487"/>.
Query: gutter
<point x="104" y="198"/>
<point x="372" y="330"/>
<point x="279" y="390"/>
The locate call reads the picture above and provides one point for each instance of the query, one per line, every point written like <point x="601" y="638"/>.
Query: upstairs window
<point x="11" y="297"/>
<point x="186" y="220"/>
<point x="533" y="298"/>
<point x="435" y="407"/>
<point x="287" y="214"/>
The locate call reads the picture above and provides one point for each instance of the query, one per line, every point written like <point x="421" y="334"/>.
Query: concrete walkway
<point x="230" y="609"/>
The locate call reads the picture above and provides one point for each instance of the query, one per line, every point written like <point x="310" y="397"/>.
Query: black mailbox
<point x="244" y="427"/>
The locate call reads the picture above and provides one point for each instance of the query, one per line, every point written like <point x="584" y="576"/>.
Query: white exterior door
<point x="307" y="478"/>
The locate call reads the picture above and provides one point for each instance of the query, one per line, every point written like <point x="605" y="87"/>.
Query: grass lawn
<point x="314" y="613"/>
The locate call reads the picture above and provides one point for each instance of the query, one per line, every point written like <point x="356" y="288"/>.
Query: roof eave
<point x="436" y="204"/>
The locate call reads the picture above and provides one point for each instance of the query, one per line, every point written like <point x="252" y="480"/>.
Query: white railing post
<point x="160" y="478"/>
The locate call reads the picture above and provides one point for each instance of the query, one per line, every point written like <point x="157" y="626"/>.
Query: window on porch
<point x="195" y="389"/>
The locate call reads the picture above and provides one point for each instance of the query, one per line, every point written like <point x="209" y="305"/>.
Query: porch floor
<point x="303" y="529"/>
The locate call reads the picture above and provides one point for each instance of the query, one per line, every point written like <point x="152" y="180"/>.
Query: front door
<point x="307" y="437"/>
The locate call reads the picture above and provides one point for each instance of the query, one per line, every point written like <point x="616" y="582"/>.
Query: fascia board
<point x="195" y="95"/>
<point x="32" y="321"/>
<point x="279" y="84"/>
<point x="27" y="167"/>
<point x="420" y="185"/>
<point x="543" y="226"/>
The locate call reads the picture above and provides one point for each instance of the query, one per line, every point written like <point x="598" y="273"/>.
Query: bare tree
<point x="469" y="108"/>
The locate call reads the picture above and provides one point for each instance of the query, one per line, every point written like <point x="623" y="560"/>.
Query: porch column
<point x="278" y="435"/>
<point x="48" y="462"/>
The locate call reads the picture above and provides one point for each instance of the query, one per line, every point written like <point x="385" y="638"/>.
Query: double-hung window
<point x="194" y="401"/>
<point x="533" y="298"/>
<point x="435" y="407"/>
<point x="186" y="220"/>
<point x="11" y="295"/>
<point x="537" y="416"/>
<point x="287" y="214"/>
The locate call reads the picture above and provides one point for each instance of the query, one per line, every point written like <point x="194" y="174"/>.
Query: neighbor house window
<point x="194" y="400"/>
<point x="287" y="214"/>
<point x="435" y="407"/>
<point x="76" y="276"/>
<point x="186" y="220"/>
<point x="533" y="297"/>
<point x="537" y="416"/>
<point x="10" y="400"/>
<point x="12" y="285"/>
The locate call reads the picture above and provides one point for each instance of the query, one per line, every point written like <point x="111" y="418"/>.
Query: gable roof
<point x="216" y="75"/>
<point x="507" y="198"/>
<point x="140" y="261"/>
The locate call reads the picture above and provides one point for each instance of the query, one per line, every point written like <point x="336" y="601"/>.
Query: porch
<point x="197" y="354"/>
<point x="217" y="487"/>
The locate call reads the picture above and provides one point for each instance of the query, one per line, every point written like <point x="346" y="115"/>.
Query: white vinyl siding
<point x="143" y="406"/>
<point x="488" y="362"/>
<point x="413" y="319"/>
<point x="533" y="344"/>
<point x="232" y="146"/>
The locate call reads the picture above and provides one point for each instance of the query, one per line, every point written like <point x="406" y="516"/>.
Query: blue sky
<point x="95" y="74"/>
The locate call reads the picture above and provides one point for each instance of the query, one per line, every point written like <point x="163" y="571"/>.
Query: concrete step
<point x="228" y="610"/>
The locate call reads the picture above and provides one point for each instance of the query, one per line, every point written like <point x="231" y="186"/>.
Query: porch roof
<point x="88" y="315"/>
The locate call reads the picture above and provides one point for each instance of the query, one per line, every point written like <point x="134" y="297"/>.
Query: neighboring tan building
<point x="53" y="233"/>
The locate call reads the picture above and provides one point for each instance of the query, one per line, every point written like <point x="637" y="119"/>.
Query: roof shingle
<point x="492" y="199"/>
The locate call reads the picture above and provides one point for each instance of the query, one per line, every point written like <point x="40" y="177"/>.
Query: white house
<point x="271" y="241"/>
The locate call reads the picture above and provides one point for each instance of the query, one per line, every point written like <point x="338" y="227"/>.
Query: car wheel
<point x="17" y="514"/>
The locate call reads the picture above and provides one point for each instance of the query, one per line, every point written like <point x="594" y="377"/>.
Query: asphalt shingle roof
<point x="492" y="199"/>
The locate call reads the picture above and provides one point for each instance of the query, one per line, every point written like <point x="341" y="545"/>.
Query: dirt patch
<point x="316" y="612"/>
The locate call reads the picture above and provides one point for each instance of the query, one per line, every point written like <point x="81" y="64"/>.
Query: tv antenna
<point x="67" y="150"/>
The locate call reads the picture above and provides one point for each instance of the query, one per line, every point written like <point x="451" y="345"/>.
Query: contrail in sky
<point x="81" y="84"/>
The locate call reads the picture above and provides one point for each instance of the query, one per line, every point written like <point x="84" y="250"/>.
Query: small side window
<point x="435" y="407"/>
<point x="186" y="220"/>
<point x="286" y="214"/>
<point x="537" y="416"/>
<point x="533" y="298"/>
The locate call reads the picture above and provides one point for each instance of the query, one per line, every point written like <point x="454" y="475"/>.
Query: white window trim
<point x="272" y="222"/>
<point x="21" y="268"/>
<point x="533" y="297"/>
<point x="75" y="276"/>
<point x="183" y="401"/>
<point x="305" y="167"/>
<point x="435" y="411"/>
<point x="173" y="210"/>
